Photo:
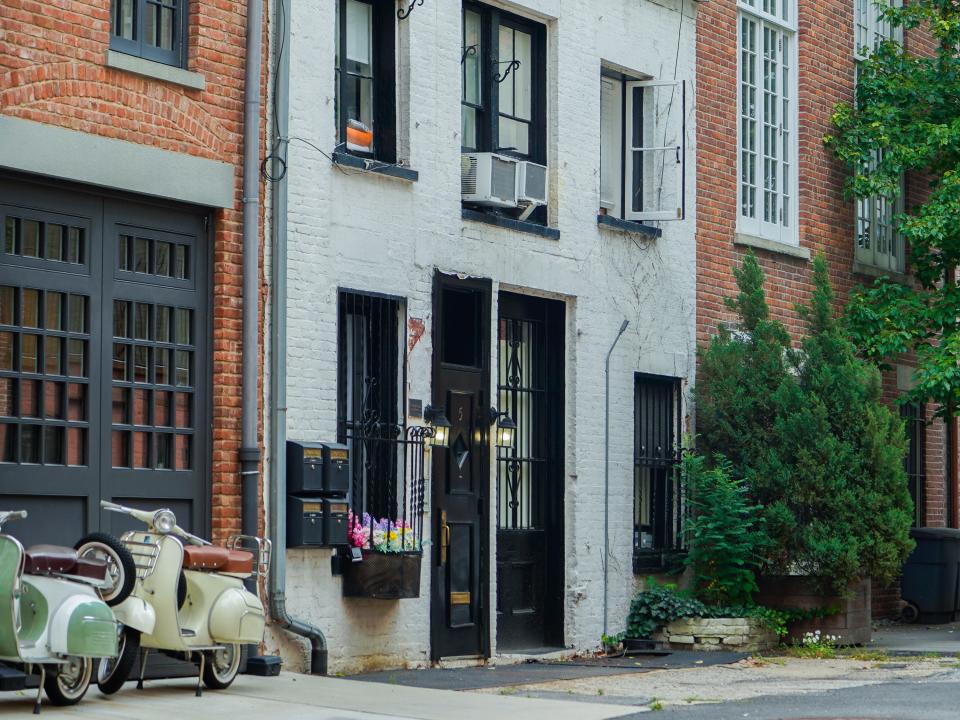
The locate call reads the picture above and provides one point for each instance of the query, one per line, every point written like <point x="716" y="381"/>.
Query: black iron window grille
<point x="913" y="463"/>
<point x="387" y="457"/>
<point x="658" y="500"/>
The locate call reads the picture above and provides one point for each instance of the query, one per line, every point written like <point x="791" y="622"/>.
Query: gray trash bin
<point x="931" y="576"/>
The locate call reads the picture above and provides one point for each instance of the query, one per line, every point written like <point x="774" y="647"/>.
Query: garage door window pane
<point x="76" y="446"/>
<point x="30" y="398"/>
<point x="30" y="240"/>
<point x="119" y="449"/>
<point x="53" y="400"/>
<point x="30" y="444"/>
<point x="6" y="351"/>
<point x="8" y="443"/>
<point x="53" y="445"/>
<point x="120" y="413"/>
<point x="52" y="348"/>
<point x="77" y="358"/>
<point x="78" y="314"/>
<point x="184" y="454"/>
<point x="30" y="354"/>
<point x="8" y="397"/>
<point x="77" y="402"/>
<point x="55" y="311"/>
<point x="7" y="305"/>
<point x="31" y="308"/>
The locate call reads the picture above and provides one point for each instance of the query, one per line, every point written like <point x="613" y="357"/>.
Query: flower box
<point x="383" y="576"/>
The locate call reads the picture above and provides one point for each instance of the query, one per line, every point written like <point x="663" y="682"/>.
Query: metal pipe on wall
<point x="249" y="447"/>
<point x="606" y="475"/>
<point x="278" y="362"/>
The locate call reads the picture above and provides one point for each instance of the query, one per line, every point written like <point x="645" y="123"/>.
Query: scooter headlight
<point x="164" y="521"/>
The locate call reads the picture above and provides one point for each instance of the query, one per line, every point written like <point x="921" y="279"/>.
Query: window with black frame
<point x="913" y="463"/>
<point x="152" y="29"/>
<point x="503" y="102"/>
<point x="370" y="401"/>
<point x="366" y="78"/>
<point x="657" y="494"/>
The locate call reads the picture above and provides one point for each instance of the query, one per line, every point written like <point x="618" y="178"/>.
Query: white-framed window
<point x="766" y="137"/>
<point x="878" y="243"/>
<point x="642" y="147"/>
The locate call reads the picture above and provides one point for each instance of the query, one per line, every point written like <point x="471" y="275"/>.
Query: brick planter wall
<point x="736" y="634"/>
<point x="852" y="624"/>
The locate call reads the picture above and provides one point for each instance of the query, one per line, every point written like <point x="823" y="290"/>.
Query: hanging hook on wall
<point x="511" y="65"/>
<point x="404" y="14"/>
<point x="467" y="52"/>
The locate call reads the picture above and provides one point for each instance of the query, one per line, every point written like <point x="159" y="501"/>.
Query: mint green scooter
<point x="53" y="622"/>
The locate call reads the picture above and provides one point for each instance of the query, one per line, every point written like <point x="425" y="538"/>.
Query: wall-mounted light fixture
<point x="506" y="428"/>
<point x="439" y="424"/>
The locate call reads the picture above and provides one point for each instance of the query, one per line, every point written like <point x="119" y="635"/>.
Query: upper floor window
<point x="503" y="101"/>
<point x="152" y="29"/>
<point x="642" y="147"/>
<point x="366" y="78"/>
<point x="878" y="242"/>
<point x="767" y="149"/>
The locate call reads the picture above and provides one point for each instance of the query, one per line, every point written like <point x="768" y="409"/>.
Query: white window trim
<point x="756" y="226"/>
<point x="757" y="12"/>
<point x="873" y="18"/>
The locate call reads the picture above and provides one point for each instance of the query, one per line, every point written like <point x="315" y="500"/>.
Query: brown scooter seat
<point x="56" y="560"/>
<point x="213" y="558"/>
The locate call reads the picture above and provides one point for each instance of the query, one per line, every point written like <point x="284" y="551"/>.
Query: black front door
<point x="530" y="548"/>
<point x="103" y="364"/>
<point x="459" y="611"/>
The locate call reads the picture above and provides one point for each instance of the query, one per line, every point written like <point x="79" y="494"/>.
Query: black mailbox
<point x="317" y="468"/>
<point x="316" y="521"/>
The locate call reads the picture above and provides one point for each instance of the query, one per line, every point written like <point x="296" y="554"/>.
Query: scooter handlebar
<point x="6" y="516"/>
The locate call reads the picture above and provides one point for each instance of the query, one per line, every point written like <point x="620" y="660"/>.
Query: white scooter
<point x="52" y="618"/>
<point x="189" y="600"/>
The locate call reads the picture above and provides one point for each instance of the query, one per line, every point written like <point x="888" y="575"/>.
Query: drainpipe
<point x="278" y="365"/>
<point x="606" y="475"/>
<point x="249" y="447"/>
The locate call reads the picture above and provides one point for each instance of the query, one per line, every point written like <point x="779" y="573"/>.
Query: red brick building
<point x="770" y="73"/>
<point x="121" y="134"/>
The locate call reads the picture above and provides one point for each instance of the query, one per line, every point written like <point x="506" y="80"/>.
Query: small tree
<point x="722" y="533"/>
<point x="905" y="120"/>
<point x="808" y="433"/>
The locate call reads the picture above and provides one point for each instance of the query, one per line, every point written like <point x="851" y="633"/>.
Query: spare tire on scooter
<point x="121" y="568"/>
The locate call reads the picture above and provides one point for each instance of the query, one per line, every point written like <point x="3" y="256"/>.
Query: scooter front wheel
<point x="112" y="673"/>
<point x="67" y="684"/>
<point x="221" y="667"/>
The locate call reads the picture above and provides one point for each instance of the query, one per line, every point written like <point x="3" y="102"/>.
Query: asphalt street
<point x="936" y="698"/>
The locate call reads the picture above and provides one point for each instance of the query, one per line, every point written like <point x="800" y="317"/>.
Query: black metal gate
<point x="658" y="498"/>
<point x="530" y="548"/>
<point x="103" y="359"/>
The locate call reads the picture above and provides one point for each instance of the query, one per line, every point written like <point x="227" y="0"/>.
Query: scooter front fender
<point x="136" y="613"/>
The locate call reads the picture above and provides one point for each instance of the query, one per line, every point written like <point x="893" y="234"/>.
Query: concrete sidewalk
<point x="302" y="697"/>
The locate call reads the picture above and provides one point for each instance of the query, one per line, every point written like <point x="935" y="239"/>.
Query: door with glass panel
<point x="100" y="359"/>
<point x="530" y="546"/>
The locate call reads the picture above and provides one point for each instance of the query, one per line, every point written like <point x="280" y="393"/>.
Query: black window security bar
<point x="913" y="463"/>
<point x="386" y="457"/>
<point x="658" y="496"/>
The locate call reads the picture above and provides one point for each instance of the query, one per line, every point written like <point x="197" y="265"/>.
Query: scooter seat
<point x="212" y="558"/>
<point x="56" y="560"/>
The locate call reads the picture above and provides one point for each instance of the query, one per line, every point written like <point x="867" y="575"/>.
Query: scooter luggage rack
<point x="145" y="554"/>
<point x="262" y="550"/>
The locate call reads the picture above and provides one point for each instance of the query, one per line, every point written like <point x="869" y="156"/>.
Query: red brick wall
<point x="826" y="77"/>
<point x="52" y="70"/>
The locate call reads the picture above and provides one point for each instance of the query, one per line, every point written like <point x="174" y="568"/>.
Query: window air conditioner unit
<point x="531" y="184"/>
<point x="488" y="179"/>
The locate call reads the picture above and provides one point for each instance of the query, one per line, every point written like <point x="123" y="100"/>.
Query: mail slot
<point x="316" y="521"/>
<point x="315" y="467"/>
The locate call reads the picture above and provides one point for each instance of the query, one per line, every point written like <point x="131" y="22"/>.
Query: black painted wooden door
<point x="460" y="475"/>
<point x="103" y="360"/>
<point x="530" y="548"/>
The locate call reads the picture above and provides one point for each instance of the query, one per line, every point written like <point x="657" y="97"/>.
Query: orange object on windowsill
<point x="359" y="136"/>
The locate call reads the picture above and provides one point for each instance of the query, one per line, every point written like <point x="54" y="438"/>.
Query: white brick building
<point x="407" y="238"/>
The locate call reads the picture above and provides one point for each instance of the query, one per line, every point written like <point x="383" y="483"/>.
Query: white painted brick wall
<point x="348" y="229"/>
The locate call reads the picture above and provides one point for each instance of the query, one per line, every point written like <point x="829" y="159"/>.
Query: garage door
<point x="103" y="360"/>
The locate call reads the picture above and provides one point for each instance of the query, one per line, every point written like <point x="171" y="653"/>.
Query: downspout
<point x="249" y="447"/>
<point x="278" y="362"/>
<point x="606" y="476"/>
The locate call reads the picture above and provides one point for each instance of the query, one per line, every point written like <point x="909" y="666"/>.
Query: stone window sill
<point x="861" y="268"/>
<point x="155" y="70"/>
<point x="628" y="227"/>
<point x="771" y="246"/>
<point x="370" y="165"/>
<point x="510" y="223"/>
